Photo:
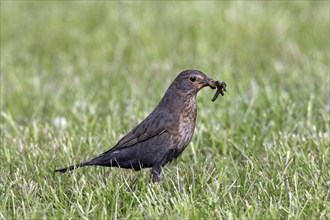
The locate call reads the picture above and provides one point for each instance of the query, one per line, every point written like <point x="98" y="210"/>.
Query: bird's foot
<point x="155" y="172"/>
<point x="156" y="179"/>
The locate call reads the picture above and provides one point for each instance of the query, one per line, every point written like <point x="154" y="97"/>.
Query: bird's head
<point x="191" y="81"/>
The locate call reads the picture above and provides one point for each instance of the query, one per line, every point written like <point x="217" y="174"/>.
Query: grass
<point x="76" y="76"/>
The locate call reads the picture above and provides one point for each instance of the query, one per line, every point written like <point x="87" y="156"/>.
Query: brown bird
<point x="164" y="134"/>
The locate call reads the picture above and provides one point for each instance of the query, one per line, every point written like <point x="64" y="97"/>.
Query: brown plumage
<point x="164" y="134"/>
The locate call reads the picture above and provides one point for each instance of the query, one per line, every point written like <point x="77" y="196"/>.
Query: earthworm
<point x="221" y="89"/>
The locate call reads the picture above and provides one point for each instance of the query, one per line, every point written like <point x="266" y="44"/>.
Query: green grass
<point x="77" y="76"/>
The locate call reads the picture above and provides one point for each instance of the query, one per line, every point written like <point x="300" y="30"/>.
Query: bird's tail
<point x="105" y="159"/>
<point x="72" y="167"/>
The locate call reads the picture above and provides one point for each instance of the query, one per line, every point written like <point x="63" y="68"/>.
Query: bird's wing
<point x="148" y="128"/>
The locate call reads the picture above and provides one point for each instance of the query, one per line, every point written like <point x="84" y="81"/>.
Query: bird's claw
<point x="221" y="89"/>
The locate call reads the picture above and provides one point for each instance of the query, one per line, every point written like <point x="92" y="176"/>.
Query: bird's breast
<point x="187" y="122"/>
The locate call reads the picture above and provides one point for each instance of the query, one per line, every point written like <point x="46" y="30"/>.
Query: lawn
<point x="76" y="76"/>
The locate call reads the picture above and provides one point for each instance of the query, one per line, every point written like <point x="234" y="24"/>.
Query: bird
<point x="163" y="135"/>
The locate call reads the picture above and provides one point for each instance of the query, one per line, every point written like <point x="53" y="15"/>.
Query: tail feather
<point x="72" y="167"/>
<point x="124" y="158"/>
<point x="101" y="160"/>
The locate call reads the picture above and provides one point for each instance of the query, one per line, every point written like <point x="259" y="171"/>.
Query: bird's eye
<point x="192" y="78"/>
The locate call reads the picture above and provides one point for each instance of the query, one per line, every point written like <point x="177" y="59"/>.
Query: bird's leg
<point x="155" y="172"/>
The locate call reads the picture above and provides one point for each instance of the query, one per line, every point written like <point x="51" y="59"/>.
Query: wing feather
<point x="152" y="126"/>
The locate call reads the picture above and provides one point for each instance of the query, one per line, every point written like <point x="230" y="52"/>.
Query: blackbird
<point x="164" y="134"/>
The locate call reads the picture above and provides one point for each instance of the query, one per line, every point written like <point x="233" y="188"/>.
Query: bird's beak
<point x="211" y="83"/>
